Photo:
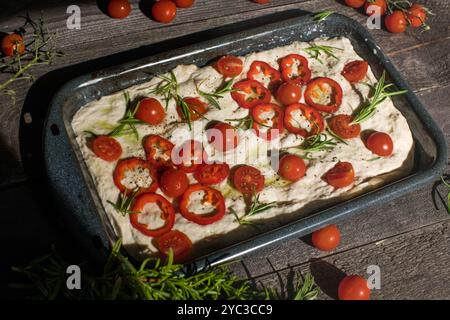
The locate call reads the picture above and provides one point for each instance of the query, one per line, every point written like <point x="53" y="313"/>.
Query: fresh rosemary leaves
<point x="368" y="110"/>
<point x="321" y="16"/>
<point x="167" y="87"/>
<point x="314" y="51"/>
<point x="318" y="142"/>
<point x="255" y="208"/>
<point x="128" y="123"/>
<point x="124" y="202"/>
<point x="213" y="98"/>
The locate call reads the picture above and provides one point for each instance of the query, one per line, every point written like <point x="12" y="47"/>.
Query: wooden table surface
<point x="408" y="238"/>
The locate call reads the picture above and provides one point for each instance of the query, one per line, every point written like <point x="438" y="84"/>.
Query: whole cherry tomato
<point x="341" y="175"/>
<point x="292" y="167"/>
<point x="184" y="3"/>
<point x="164" y="11"/>
<point x="374" y="6"/>
<point x="289" y="93"/>
<point x="119" y="9"/>
<point x="396" y="22"/>
<point x="355" y="3"/>
<point x="13" y="43"/>
<point x="150" y="111"/>
<point x="380" y="143"/>
<point x="261" y="1"/>
<point x="353" y="288"/>
<point x="174" y="182"/>
<point x="416" y="15"/>
<point x="327" y="238"/>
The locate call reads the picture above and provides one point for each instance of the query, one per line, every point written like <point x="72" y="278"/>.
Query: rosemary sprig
<point x="213" y="98"/>
<point x="307" y="289"/>
<point x="167" y="87"/>
<point x="255" y="208"/>
<point x="335" y="136"/>
<point x="374" y="159"/>
<point x="41" y="50"/>
<point x="447" y="184"/>
<point x="128" y="122"/>
<point x="318" y="142"/>
<point x="321" y="16"/>
<point x="244" y="123"/>
<point x="315" y="50"/>
<point x="124" y="201"/>
<point x="368" y="110"/>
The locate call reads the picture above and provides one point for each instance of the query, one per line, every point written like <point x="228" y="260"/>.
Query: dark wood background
<point x="408" y="238"/>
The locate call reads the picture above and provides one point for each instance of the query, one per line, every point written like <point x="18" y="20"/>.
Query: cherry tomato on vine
<point x="373" y="7"/>
<point x="396" y="22"/>
<point x="106" y="148"/>
<point x="178" y="242"/>
<point x="355" y="3"/>
<point x="292" y="167"/>
<point x="342" y="126"/>
<point x="380" y="143"/>
<point x="341" y="175"/>
<point x="229" y="66"/>
<point x="164" y="11"/>
<point x="150" y="111"/>
<point x="327" y="238"/>
<point x="416" y="15"/>
<point x="13" y="43"/>
<point x="353" y="288"/>
<point x="173" y="182"/>
<point x="119" y="9"/>
<point x="184" y="3"/>
<point x="289" y="93"/>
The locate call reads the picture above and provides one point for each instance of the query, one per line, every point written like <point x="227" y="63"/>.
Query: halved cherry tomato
<point x="267" y="120"/>
<point x="151" y="111"/>
<point x="355" y="3"/>
<point x="294" y="67"/>
<point x="178" y="242"/>
<point x="12" y="44"/>
<point x="138" y="209"/>
<point x="327" y="238"/>
<point x="289" y="93"/>
<point x="223" y="137"/>
<point x="164" y="11"/>
<point x="396" y="22"/>
<point x="262" y="72"/>
<point x="158" y="150"/>
<point x="133" y="173"/>
<point x="324" y="94"/>
<point x="195" y="107"/>
<point x="119" y="9"/>
<point x="372" y="7"/>
<point x="229" y="66"/>
<point x="184" y="3"/>
<point x="416" y="15"/>
<point x="292" y="167"/>
<point x="249" y="93"/>
<point x="190" y="156"/>
<point x="355" y="71"/>
<point x="341" y="175"/>
<point x="248" y="180"/>
<point x="353" y="288"/>
<point x="380" y="143"/>
<point x="173" y="182"/>
<point x="299" y="115"/>
<point x="106" y="148"/>
<point x="213" y="173"/>
<point x="210" y="197"/>
<point x="342" y="126"/>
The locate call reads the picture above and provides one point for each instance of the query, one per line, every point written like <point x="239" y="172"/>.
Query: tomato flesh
<point x="190" y="156"/>
<point x="138" y="209"/>
<point x="289" y="93"/>
<point x="396" y="22"/>
<point x="262" y="72"/>
<point x="355" y="71"/>
<point x="292" y="167"/>
<point x="119" y="9"/>
<point x="12" y="44"/>
<point x="249" y="93"/>
<point x="380" y="143"/>
<point x="248" y="180"/>
<point x="341" y="175"/>
<point x="324" y="94"/>
<point x="267" y="120"/>
<point x="209" y="197"/>
<point x="327" y="238"/>
<point x="212" y="173"/>
<point x="298" y="115"/>
<point x="177" y="242"/>
<point x="128" y="176"/>
<point x="150" y="111"/>
<point x="353" y="288"/>
<point x="342" y="126"/>
<point x="158" y="150"/>
<point x="173" y="182"/>
<point x="223" y="137"/>
<point x="294" y="68"/>
<point x="230" y="66"/>
<point x="164" y="11"/>
<point x="106" y="148"/>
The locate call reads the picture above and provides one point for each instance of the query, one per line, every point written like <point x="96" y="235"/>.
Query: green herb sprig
<point x="314" y="51"/>
<point x="124" y="201"/>
<point x="213" y="98"/>
<point x="167" y="87"/>
<point x="256" y="207"/>
<point x="318" y="142"/>
<point x="335" y="136"/>
<point x="447" y="184"/>
<point x="381" y="93"/>
<point x="321" y="16"/>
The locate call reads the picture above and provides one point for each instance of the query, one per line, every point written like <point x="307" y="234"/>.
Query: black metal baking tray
<point x="73" y="186"/>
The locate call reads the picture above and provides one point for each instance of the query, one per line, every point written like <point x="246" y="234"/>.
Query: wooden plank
<point x="413" y="265"/>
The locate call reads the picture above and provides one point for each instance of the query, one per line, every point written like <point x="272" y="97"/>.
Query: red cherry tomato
<point x="229" y="66"/>
<point x="248" y="180"/>
<point x="416" y="15"/>
<point x="223" y="137"/>
<point x="178" y="242"/>
<point x="190" y="156"/>
<point x="164" y="11"/>
<point x="158" y="150"/>
<point x="327" y="238"/>
<point x="173" y="182"/>
<point x="150" y="111"/>
<point x="342" y="126"/>
<point x="261" y="1"/>
<point x="134" y="173"/>
<point x="324" y="94"/>
<point x="380" y="143"/>
<point x="195" y="109"/>
<point x="249" y="93"/>
<point x="396" y="22"/>
<point x="353" y="288"/>
<point x="289" y="93"/>
<point x="294" y="67"/>
<point x="372" y="8"/>
<point x="297" y="115"/>
<point x="355" y="71"/>
<point x="12" y="44"/>
<point x="341" y="175"/>
<point x="262" y="72"/>
<point x="119" y="9"/>
<point x="106" y="148"/>
<point x="292" y="167"/>
<point x="212" y="173"/>
<point x="209" y="197"/>
<point x="355" y="3"/>
<point x="267" y="120"/>
<point x="138" y="209"/>
<point x="184" y="3"/>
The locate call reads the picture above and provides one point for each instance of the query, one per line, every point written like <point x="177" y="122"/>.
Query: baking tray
<point x="72" y="184"/>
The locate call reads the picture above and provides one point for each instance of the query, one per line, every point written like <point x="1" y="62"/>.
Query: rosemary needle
<point x="321" y="16"/>
<point x="255" y="208"/>
<point x="213" y="98"/>
<point x="315" y="51"/>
